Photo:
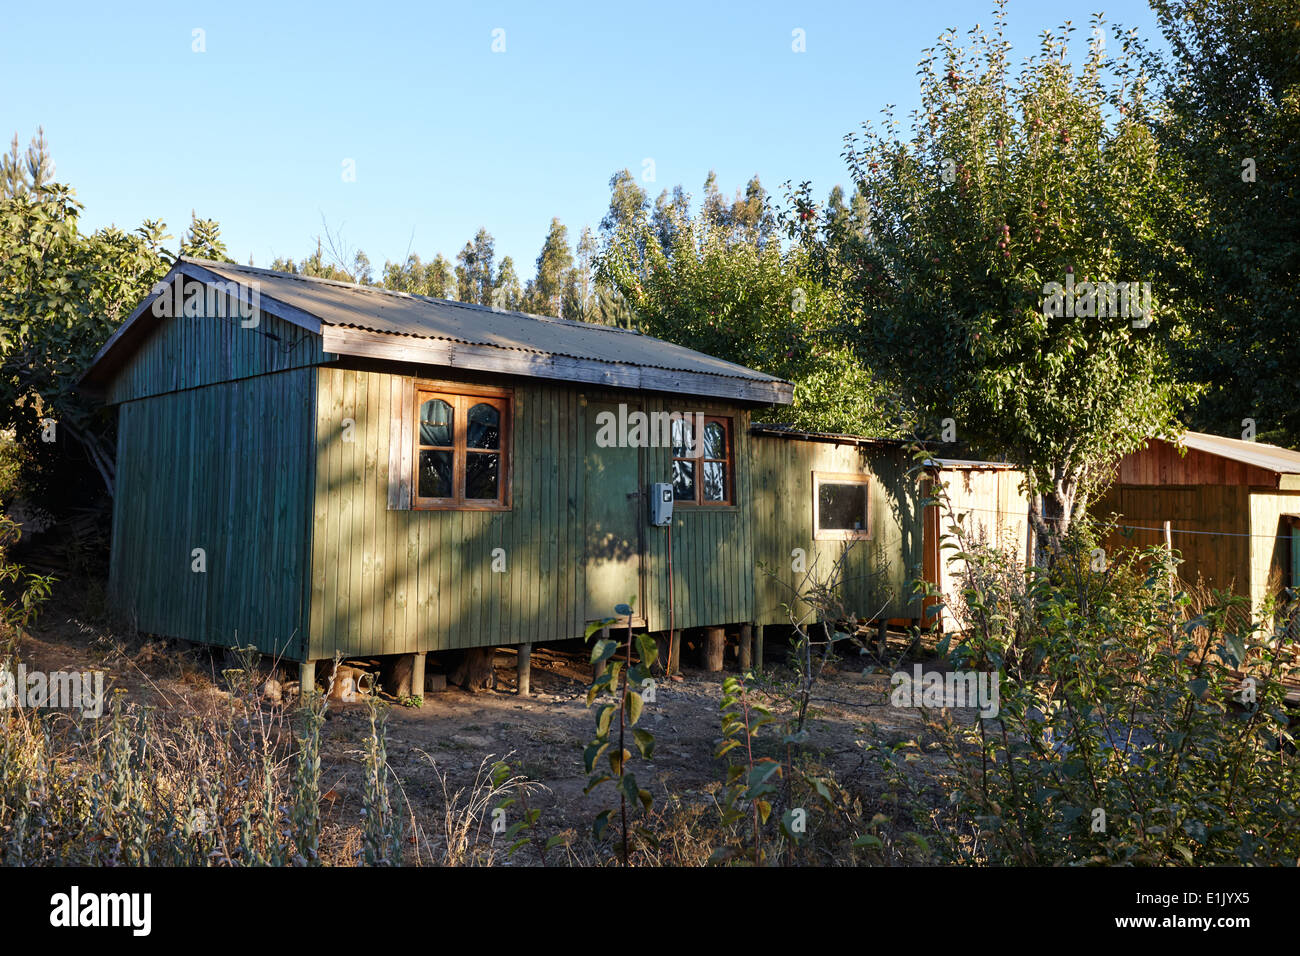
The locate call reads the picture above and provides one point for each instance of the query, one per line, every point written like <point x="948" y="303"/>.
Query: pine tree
<point x="203" y="240"/>
<point x="553" y="262"/>
<point x="25" y="174"/>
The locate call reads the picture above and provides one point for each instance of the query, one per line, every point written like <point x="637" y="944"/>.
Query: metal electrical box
<point x="661" y="504"/>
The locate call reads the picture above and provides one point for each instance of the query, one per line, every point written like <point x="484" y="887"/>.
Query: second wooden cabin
<point x="1232" y="506"/>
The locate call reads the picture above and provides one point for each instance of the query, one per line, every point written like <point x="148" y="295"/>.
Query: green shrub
<point x="1132" y="728"/>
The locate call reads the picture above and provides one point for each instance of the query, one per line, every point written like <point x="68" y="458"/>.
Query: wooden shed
<point x="314" y="468"/>
<point x="1230" y="504"/>
<point x="820" y="496"/>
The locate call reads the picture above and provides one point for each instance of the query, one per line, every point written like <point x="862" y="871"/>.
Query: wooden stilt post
<point x="306" y="678"/>
<point x="674" y="652"/>
<point x="1169" y="546"/>
<point x="715" y="644"/>
<point x="746" y="648"/>
<point x="417" y="676"/>
<point x="758" y="648"/>
<point x="523" y="669"/>
<point x="1173" y="613"/>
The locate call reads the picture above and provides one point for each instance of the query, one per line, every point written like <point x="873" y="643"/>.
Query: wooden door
<point x="614" y="505"/>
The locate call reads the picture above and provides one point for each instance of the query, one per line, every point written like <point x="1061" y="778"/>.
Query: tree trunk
<point x="715" y="643"/>
<point x="397" y="673"/>
<point x="474" y="670"/>
<point x="1051" y="516"/>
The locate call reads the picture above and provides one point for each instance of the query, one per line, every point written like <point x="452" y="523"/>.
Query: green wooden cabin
<point x="317" y="468"/>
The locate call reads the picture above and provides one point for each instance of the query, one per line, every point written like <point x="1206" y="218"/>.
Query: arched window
<point x="461" y="449"/>
<point x="702" y="463"/>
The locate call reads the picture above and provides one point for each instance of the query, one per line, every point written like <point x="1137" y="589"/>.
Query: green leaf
<point x="645" y="742"/>
<point x="647" y="648"/>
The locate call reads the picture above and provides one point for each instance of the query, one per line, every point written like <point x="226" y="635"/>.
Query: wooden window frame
<point x="728" y="464"/>
<point x="462" y="398"/>
<point x="820" y="478"/>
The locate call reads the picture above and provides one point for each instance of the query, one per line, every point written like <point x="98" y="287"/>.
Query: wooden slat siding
<point x="564" y="580"/>
<point x="528" y="558"/>
<point x="189" y="353"/>
<point x="470" y="612"/>
<point x="316" y="616"/>
<point x="349" y="553"/>
<point x="448" y="563"/>
<point x="215" y="495"/>
<point x="426" y="615"/>
<point x="1223" y="562"/>
<point x="302" y="393"/>
<point x="384" y="524"/>
<point x="577" y="482"/>
<point x="372" y="627"/>
<point x="1160" y="464"/>
<point x="406" y="538"/>
<point x="224" y="574"/>
<point x="243" y="527"/>
<point x="994" y="513"/>
<point x="473" y="530"/>
<point x="578" y="539"/>
<point x="547" y="460"/>
<point x="782" y="521"/>
<point x="354" y="398"/>
<point x="337" y="548"/>
<point x="394" y="446"/>
<point x="454" y="600"/>
<point x="538" y="524"/>
<point x="193" y="615"/>
<point x="1270" y="551"/>
<point x="409" y="413"/>
<point x="321" y="569"/>
<point x="377" y="447"/>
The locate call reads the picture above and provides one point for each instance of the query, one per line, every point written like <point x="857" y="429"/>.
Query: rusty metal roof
<point x="775" y="430"/>
<point x="1269" y="457"/>
<point x="372" y="309"/>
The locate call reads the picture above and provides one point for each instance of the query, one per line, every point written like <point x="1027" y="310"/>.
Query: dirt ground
<point x="439" y="749"/>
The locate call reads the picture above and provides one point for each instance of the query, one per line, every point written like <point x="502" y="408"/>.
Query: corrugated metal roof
<point x="969" y="464"/>
<point x="372" y="309"/>
<point x="1269" y="457"/>
<point x="789" y="431"/>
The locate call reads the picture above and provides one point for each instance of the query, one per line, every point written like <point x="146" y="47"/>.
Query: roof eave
<point x="95" y="378"/>
<point x="383" y="346"/>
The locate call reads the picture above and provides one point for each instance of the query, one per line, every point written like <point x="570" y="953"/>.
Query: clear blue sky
<point x="447" y="135"/>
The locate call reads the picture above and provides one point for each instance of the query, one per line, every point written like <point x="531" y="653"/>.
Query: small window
<point x="841" y="506"/>
<point x="702" y="464"/>
<point x="461" y="456"/>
